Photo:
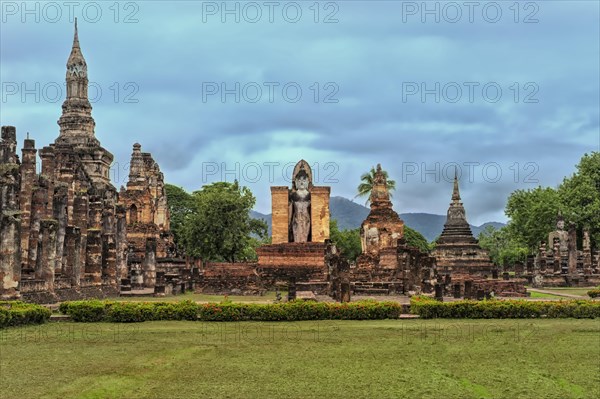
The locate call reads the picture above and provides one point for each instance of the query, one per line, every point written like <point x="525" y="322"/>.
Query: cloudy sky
<point x="506" y="91"/>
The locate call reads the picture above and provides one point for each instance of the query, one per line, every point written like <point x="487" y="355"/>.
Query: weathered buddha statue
<point x="300" y="207"/>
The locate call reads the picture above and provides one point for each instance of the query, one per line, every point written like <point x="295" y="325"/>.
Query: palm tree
<point x="364" y="188"/>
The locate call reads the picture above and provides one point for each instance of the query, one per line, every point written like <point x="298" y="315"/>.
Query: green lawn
<point x="570" y="290"/>
<point x="328" y="359"/>
<point x="534" y="294"/>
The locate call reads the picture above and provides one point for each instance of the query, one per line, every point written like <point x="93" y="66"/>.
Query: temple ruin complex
<point x="66" y="232"/>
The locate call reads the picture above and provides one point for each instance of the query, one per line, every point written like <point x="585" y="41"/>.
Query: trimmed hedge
<point x="595" y="293"/>
<point x="429" y="308"/>
<point x="18" y="313"/>
<point x="129" y="312"/>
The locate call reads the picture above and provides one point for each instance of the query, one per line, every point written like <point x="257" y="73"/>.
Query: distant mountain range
<point x="350" y="215"/>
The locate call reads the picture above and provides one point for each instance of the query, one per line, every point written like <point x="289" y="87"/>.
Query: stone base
<point x="305" y="262"/>
<point x="71" y="294"/>
<point x="563" y="280"/>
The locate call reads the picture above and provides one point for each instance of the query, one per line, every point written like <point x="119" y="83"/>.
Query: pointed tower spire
<point x="76" y="123"/>
<point x="455" y="191"/>
<point x="76" y="37"/>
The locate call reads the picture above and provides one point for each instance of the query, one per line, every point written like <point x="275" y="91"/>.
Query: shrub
<point x="428" y="308"/>
<point x="595" y="293"/>
<point x="129" y="312"/>
<point x="86" y="311"/>
<point x="17" y="313"/>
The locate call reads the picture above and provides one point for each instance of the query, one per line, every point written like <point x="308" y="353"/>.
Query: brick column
<point x="319" y="214"/>
<point x="149" y="263"/>
<point x="48" y="229"/>
<point x="72" y="267"/>
<point x="93" y="259"/>
<point x="279" y="215"/>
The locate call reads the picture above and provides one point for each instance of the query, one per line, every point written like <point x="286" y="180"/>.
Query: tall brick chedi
<point x="10" y="222"/>
<point x="64" y="231"/>
<point x="456" y="251"/>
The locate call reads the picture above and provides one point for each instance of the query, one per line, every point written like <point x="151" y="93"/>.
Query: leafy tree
<point x="416" y="239"/>
<point x="180" y="204"/>
<point x="532" y="215"/>
<point x="580" y="196"/>
<point x="219" y="228"/>
<point x="347" y="241"/>
<point x="503" y="247"/>
<point x="533" y="212"/>
<point x="366" y="185"/>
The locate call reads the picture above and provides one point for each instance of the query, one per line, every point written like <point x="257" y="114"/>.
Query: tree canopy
<point x="366" y="185"/>
<point x="347" y="241"/>
<point x="214" y="223"/>
<point x="180" y="204"/>
<point x="533" y="213"/>
<point x="416" y="239"/>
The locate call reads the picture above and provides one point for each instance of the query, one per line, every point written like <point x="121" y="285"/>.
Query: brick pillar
<point x="319" y="213"/>
<point x="149" y="263"/>
<point x="10" y="235"/>
<point x="95" y="214"/>
<point x="109" y="245"/>
<point x="121" y="242"/>
<point x="28" y="181"/>
<point x="468" y="289"/>
<point x="59" y="212"/>
<point x="587" y="253"/>
<point x="48" y="172"/>
<point x="48" y="229"/>
<point x="38" y="208"/>
<point x="80" y="214"/>
<point x="279" y="214"/>
<point x="72" y="266"/>
<point x="572" y="247"/>
<point x="10" y="262"/>
<point x="109" y="259"/>
<point x="93" y="258"/>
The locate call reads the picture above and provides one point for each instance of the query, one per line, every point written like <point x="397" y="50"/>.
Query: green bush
<point x="429" y="308"/>
<point x="86" y="311"/>
<point x="17" y="313"/>
<point x="130" y="312"/>
<point x="595" y="293"/>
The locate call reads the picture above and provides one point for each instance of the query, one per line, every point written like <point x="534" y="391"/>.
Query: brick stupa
<point x="456" y="251"/>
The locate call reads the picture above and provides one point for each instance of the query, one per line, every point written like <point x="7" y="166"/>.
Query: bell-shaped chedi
<point x="456" y="250"/>
<point x="383" y="227"/>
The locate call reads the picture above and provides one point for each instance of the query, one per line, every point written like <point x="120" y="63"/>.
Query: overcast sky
<point x="218" y="90"/>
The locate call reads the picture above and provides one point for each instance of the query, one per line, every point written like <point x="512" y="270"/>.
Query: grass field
<point x="534" y="294"/>
<point x="328" y="359"/>
<point x="570" y="290"/>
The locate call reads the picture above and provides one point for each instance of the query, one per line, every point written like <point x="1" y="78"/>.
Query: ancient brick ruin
<point x="387" y="265"/>
<point x="66" y="232"/>
<point x="559" y="262"/>
<point x="300" y="229"/>
<point x="456" y="251"/>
